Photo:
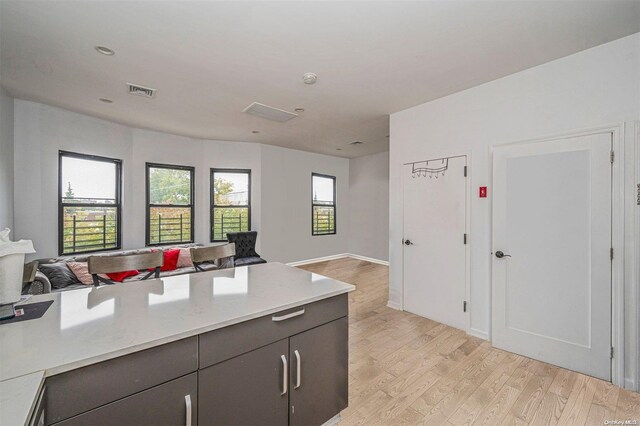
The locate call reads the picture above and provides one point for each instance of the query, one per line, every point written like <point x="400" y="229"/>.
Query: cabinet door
<point x="250" y="389"/>
<point x="172" y="403"/>
<point x="319" y="373"/>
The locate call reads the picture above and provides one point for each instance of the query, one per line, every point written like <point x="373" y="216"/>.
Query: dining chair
<point x="220" y="255"/>
<point x="111" y="264"/>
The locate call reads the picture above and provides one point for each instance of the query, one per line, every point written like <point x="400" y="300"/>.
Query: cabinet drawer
<point x="83" y="389"/>
<point x="173" y="403"/>
<point x="225" y="343"/>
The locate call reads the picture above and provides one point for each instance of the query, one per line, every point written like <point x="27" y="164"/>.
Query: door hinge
<point x="464" y="306"/>
<point x="465" y="239"/>
<point x="613" y="156"/>
<point x="611" y="353"/>
<point x="611" y="253"/>
<point x="465" y="171"/>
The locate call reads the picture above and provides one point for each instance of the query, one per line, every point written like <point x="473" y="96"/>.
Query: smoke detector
<point x="136" y="89"/>
<point x="309" y="78"/>
<point x="269" y="112"/>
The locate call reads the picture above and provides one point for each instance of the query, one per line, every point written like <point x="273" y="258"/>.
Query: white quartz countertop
<point x="18" y="398"/>
<point x="90" y="325"/>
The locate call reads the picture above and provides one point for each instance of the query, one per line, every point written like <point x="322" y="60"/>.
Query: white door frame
<point x="635" y="293"/>
<point x="617" y="237"/>
<point x="467" y="225"/>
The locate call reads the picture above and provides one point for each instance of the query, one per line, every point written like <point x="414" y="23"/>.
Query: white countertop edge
<point x="12" y="412"/>
<point x="151" y="344"/>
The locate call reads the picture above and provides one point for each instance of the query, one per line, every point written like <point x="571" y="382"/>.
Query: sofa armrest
<point x="40" y="285"/>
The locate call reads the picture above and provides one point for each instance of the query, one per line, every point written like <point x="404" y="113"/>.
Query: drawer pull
<point x="285" y="380"/>
<point x="187" y="402"/>
<point x="298" y="368"/>
<point x="287" y="316"/>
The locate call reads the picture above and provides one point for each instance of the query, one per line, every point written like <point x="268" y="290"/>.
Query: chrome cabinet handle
<point x="298" y="368"/>
<point x="187" y="402"/>
<point x="284" y="374"/>
<point x="287" y="316"/>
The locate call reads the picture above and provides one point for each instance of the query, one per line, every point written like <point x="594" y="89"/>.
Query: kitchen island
<point x="264" y="343"/>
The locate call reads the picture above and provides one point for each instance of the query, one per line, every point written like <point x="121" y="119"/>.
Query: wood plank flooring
<point x="409" y="370"/>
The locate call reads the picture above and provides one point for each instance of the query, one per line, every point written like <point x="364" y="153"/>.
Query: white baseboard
<point x="630" y="384"/>
<point x="318" y="259"/>
<point x="478" y="333"/>
<point x="338" y="256"/>
<point x="394" y="305"/>
<point x="369" y="259"/>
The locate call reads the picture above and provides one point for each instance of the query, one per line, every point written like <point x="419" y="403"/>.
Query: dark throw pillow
<point x="59" y="274"/>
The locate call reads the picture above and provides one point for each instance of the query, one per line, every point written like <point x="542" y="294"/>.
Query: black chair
<point x="245" y="248"/>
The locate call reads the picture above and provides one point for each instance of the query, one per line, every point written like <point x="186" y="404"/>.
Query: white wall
<point x="286" y="203"/>
<point x="284" y="233"/>
<point x="599" y="86"/>
<point x="6" y="161"/>
<point x="369" y="206"/>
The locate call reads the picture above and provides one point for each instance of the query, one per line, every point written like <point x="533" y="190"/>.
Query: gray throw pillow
<point x="59" y="274"/>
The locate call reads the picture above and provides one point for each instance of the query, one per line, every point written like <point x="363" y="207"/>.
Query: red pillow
<point x="170" y="260"/>
<point x="120" y="276"/>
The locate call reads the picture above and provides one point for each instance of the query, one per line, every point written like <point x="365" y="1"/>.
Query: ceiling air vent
<point x="268" y="112"/>
<point x="135" y="89"/>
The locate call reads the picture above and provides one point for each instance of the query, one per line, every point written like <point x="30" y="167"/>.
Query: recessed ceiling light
<point x="309" y="78"/>
<point x="299" y="110"/>
<point x="105" y="50"/>
<point x="255" y="131"/>
<point x="106" y="101"/>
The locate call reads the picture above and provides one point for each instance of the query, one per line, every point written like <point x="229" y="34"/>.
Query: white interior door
<point x="552" y="222"/>
<point x="434" y="231"/>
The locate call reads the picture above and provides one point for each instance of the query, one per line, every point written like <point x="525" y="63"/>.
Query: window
<point x="230" y="202"/>
<point x="323" y="202"/>
<point x="89" y="189"/>
<point x="170" y="197"/>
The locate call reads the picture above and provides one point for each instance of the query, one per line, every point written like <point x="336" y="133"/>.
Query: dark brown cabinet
<point x="290" y="367"/>
<point x="246" y="390"/>
<point x="319" y="373"/>
<point x="301" y="381"/>
<point x="173" y="403"/>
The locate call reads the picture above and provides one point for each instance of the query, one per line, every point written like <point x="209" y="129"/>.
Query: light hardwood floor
<point x="405" y="369"/>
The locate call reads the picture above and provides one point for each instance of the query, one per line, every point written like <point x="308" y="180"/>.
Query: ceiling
<point x="209" y="60"/>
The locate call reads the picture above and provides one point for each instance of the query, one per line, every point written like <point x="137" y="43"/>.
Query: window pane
<point x="88" y="181"/>
<point x="169" y="224"/>
<point x="89" y="229"/>
<point x="323" y="190"/>
<point x="324" y="220"/>
<point x="230" y="189"/>
<point x="169" y="186"/>
<point x="231" y="219"/>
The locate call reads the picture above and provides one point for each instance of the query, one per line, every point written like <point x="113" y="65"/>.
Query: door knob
<point x="408" y="243"/>
<point x="500" y="254"/>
